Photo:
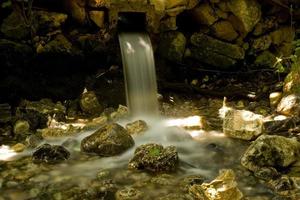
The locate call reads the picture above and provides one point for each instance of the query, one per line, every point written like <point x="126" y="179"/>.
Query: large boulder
<point x="248" y="12"/>
<point x="271" y="151"/>
<point x="154" y="158"/>
<point x="215" y="52"/>
<point x="172" y="45"/>
<point x="14" y="27"/>
<point x="110" y="140"/>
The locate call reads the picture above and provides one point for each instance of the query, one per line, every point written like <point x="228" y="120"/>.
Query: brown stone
<point x="224" y="30"/>
<point x="204" y="14"/>
<point x="98" y="18"/>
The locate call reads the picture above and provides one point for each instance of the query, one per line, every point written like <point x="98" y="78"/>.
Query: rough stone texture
<point x="59" y="45"/>
<point x="204" y="14"/>
<point x="283" y="34"/>
<point x="224" y="30"/>
<point x="271" y="151"/>
<point x="247" y="11"/>
<point x="137" y="127"/>
<point x="110" y="140"/>
<point x="242" y="124"/>
<point x="262" y="43"/>
<point x="89" y="103"/>
<point x="76" y="8"/>
<point x="289" y="105"/>
<point x="49" y="21"/>
<point x="97" y="17"/>
<point x="129" y="194"/>
<point x="14" y="27"/>
<point x="292" y="80"/>
<point x="223" y="187"/>
<point x="265" y="25"/>
<point x="266" y="58"/>
<point x="172" y="45"/>
<point x="215" y="52"/>
<point x="52" y="133"/>
<point x="21" y="127"/>
<point x="50" y="154"/>
<point x="154" y="158"/>
<point x="121" y="112"/>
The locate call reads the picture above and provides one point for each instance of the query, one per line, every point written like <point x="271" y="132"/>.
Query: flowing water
<point x="139" y="72"/>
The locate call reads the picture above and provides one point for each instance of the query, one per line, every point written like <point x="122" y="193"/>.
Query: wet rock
<point x="121" y="112"/>
<point x="242" y="124"/>
<point x="52" y="133"/>
<point x="32" y="141"/>
<point x="58" y="45"/>
<point x="110" y="140"/>
<point x="283" y="34"/>
<point x="5" y="113"/>
<point x="289" y="105"/>
<point x="137" y="127"/>
<point x="18" y="147"/>
<point x="163" y="180"/>
<point x="51" y="154"/>
<point x="224" y="31"/>
<point x="172" y="45"/>
<point x="191" y="180"/>
<point x="262" y="43"/>
<point x="14" y="27"/>
<point x="271" y="151"/>
<point x="154" y="158"/>
<point x="292" y="80"/>
<point x="267" y="173"/>
<point x="275" y="98"/>
<point x="89" y="103"/>
<point x="215" y="52"/>
<point x="129" y="194"/>
<point x="49" y="21"/>
<point x="21" y="127"/>
<point x="282" y="185"/>
<point x="97" y="17"/>
<point x="266" y="58"/>
<point x="248" y="13"/>
<point x="176" y="196"/>
<point x="224" y="187"/>
<point x="204" y="14"/>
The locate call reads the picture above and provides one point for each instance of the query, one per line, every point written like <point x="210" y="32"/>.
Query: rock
<point x="247" y="11"/>
<point x="52" y="133"/>
<point x="242" y="124"/>
<point x="283" y="34"/>
<point x="121" y="112"/>
<point x="279" y="124"/>
<point x="154" y="158"/>
<point x="89" y="103"/>
<point x="275" y="98"/>
<point x="292" y="80"/>
<point x="265" y="25"/>
<point x="59" y="45"/>
<point x="224" y="31"/>
<point x="32" y="141"/>
<point x="5" y="113"/>
<point x="14" y="27"/>
<point x="215" y="52"/>
<point x="289" y="105"/>
<point x="137" y="127"/>
<point x="271" y="151"/>
<point x="129" y="194"/>
<point x="21" y="127"/>
<point x="110" y="140"/>
<point x="266" y="173"/>
<point x="18" y="147"/>
<point x="204" y="14"/>
<point x="97" y="3"/>
<point x="176" y="196"/>
<point x="224" y="187"/>
<point x="172" y="45"/>
<point x="262" y="43"/>
<point x="97" y="17"/>
<point x="282" y="185"/>
<point x="49" y="21"/>
<point x="266" y="58"/>
<point x="76" y="8"/>
<point x="51" y="154"/>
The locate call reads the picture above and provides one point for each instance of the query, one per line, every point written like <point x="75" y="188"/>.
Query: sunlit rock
<point x="215" y="52"/>
<point x="242" y="124"/>
<point x="97" y="17"/>
<point x="110" y="140"/>
<point x="56" y="132"/>
<point x="19" y="147"/>
<point x="172" y="45"/>
<point x="248" y="13"/>
<point x="89" y="103"/>
<point x="121" y="112"/>
<point x="224" y="187"/>
<point x="21" y="127"/>
<point x="137" y="127"/>
<point x="15" y="27"/>
<point x="289" y="105"/>
<point x="129" y="194"/>
<point x="275" y="98"/>
<point x="224" y="30"/>
<point x="292" y="80"/>
<point x="154" y="158"/>
<point x="284" y="186"/>
<point x="50" y="154"/>
<point x="271" y="151"/>
<point x="204" y="14"/>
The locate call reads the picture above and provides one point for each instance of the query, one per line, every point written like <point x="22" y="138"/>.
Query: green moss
<point x="154" y="152"/>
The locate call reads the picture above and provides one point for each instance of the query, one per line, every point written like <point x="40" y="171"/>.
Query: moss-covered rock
<point x="292" y="80"/>
<point x="247" y="11"/>
<point x="110" y="140"/>
<point x="129" y="194"/>
<point x="271" y="151"/>
<point x="204" y="14"/>
<point x="224" y="30"/>
<point x="14" y="27"/>
<point x="154" y="158"/>
<point x="172" y="45"/>
<point x="262" y="43"/>
<point x="59" y="45"/>
<point x="266" y="58"/>
<point x="283" y="34"/>
<point x="49" y="21"/>
<point x="89" y="103"/>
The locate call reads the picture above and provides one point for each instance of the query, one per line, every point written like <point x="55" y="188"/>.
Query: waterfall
<point x="139" y="73"/>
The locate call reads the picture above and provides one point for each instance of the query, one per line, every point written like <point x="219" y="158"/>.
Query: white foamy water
<point x="139" y="73"/>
